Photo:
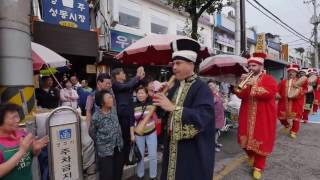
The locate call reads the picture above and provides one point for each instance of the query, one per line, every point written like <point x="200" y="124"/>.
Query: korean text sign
<point x="64" y="149"/>
<point x="121" y="40"/>
<point x="70" y="13"/>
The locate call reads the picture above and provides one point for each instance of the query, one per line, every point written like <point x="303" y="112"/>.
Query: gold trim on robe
<point x="179" y="131"/>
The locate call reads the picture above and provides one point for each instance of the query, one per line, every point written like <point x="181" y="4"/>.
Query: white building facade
<point x="130" y="20"/>
<point x="224" y="35"/>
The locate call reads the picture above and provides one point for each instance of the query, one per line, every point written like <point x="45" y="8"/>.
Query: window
<point x="129" y="17"/>
<point x="180" y="29"/>
<point x="218" y="46"/>
<point x="159" y="23"/>
<point x="230" y="49"/>
<point x="158" y="29"/>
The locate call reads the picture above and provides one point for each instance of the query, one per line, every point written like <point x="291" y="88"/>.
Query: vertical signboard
<point x="285" y="52"/>
<point x="261" y="43"/>
<point x="65" y="162"/>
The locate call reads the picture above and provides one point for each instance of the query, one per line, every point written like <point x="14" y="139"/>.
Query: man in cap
<point x="257" y="118"/>
<point x="189" y="142"/>
<point x="290" y="106"/>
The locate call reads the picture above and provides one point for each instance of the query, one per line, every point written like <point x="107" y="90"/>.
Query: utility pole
<point x="16" y="73"/>
<point x="237" y="28"/>
<point x="243" y="48"/>
<point x="315" y="21"/>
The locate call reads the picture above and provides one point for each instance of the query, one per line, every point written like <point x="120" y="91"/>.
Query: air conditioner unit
<point x="114" y="20"/>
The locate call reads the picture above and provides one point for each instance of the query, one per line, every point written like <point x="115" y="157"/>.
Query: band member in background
<point x="291" y="102"/>
<point x="309" y="97"/>
<point x="316" y="101"/>
<point x="189" y="143"/>
<point x="257" y="118"/>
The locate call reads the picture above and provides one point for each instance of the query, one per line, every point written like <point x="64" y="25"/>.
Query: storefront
<point x="65" y="29"/>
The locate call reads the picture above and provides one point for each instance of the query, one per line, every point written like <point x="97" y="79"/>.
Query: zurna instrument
<point x="142" y="124"/>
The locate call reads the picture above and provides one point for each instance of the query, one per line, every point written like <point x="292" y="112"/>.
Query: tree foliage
<point x="195" y="8"/>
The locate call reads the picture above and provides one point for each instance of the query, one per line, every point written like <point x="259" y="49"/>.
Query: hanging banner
<point x="69" y="13"/>
<point x="285" y="52"/>
<point x="261" y="43"/>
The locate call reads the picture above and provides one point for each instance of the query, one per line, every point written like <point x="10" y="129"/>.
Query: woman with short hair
<point x="16" y="146"/>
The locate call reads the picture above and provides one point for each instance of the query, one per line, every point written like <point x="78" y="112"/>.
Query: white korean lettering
<point x="54" y="2"/>
<point x="81" y="6"/>
<point x="53" y="12"/>
<point x="123" y="41"/>
<point x="63" y="14"/>
<point x="82" y="18"/>
<point x="73" y="16"/>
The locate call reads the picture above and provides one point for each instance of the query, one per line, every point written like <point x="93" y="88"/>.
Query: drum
<point x="294" y="87"/>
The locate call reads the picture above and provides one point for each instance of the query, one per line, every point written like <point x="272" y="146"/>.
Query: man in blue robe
<point x="189" y="144"/>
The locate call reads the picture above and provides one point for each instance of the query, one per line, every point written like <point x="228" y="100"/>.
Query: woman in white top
<point x="69" y="96"/>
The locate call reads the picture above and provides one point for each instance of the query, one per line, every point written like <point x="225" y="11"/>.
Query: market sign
<point x="69" y="13"/>
<point x="121" y="40"/>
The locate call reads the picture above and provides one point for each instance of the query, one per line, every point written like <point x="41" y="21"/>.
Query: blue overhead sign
<point x="70" y="13"/>
<point x="121" y="40"/>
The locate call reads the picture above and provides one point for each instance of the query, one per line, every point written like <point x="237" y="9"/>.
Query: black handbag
<point x="134" y="154"/>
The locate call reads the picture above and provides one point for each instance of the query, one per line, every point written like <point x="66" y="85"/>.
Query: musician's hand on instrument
<point x="162" y="101"/>
<point x="251" y="82"/>
<point x="243" y="76"/>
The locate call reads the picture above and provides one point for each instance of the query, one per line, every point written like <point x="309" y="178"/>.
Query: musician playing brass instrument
<point x="291" y="102"/>
<point x="257" y="118"/>
<point x="309" y="97"/>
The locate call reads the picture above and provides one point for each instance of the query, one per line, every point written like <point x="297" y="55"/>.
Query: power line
<point x="298" y="44"/>
<point x="295" y="41"/>
<point x="277" y="21"/>
<point x="280" y="20"/>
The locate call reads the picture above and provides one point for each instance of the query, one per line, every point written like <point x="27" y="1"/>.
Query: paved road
<point x="297" y="159"/>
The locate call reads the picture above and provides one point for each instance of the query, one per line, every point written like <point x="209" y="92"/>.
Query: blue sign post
<point x="70" y="13"/>
<point x="121" y="40"/>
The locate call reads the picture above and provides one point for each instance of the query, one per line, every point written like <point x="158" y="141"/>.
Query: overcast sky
<point x="293" y="12"/>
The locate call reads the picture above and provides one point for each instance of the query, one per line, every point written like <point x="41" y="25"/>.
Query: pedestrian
<point x="316" y="102"/>
<point x="257" y="119"/>
<point x="309" y="95"/>
<point x="47" y="96"/>
<point x="106" y="133"/>
<point x="103" y="83"/>
<point x="149" y="137"/>
<point x="75" y="82"/>
<point x="85" y="86"/>
<point x="189" y="143"/>
<point x="17" y="147"/>
<point x="290" y="105"/>
<point x="68" y="96"/>
<point x="218" y="112"/>
<point x="123" y="92"/>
